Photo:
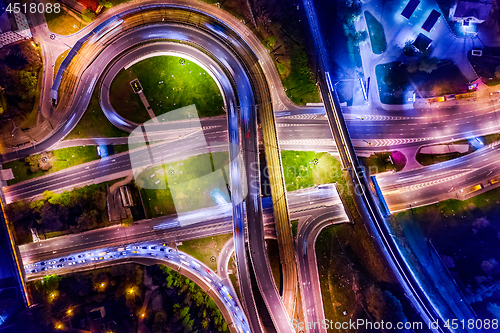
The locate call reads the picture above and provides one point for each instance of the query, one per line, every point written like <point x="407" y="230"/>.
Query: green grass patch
<point x="94" y="123"/>
<point x="190" y="182"/>
<point x="393" y="83"/>
<point x="489" y="139"/>
<point x="383" y="162"/>
<point x="376" y="33"/>
<point x="295" y="225"/>
<point x="274" y="260"/>
<point x="297" y="78"/>
<point x="120" y="148"/>
<point x="63" y="23"/>
<point x="53" y="234"/>
<point x="206" y="249"/>
<point x="59" y="61"/>
<point x="168" y="83"/>
<point x="305" y="169"/>
<point x="60" y="159"/>
<point x="428" y="159"/>
<point x="234" y="275"/>
<point x="20" y="82"/>
<point x="234" y="282"/>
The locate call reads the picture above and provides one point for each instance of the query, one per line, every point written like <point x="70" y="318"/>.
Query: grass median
<point x="473" y="144"/>
<point x="194" y="183"/>
<point x="34" y="166"/>
<point x="376" y="32"/>
<point x="304" y="169"/>
<point x="383" y="162"/>
<point x="59" y="61"/>
<point x="53" y="161"/>
<point x="168" y="83"/>
<point x="206" y="249"/>
<point x="94" y="123"/>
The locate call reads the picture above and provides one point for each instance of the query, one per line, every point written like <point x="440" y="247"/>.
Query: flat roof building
<point x="431" y="20"/>
<point x="410" y="8"/>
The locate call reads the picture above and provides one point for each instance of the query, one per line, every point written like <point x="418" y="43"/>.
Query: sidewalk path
<point x="148" y="107"/>
<point x="141" y="328"/>
<point x="90" y="142"/>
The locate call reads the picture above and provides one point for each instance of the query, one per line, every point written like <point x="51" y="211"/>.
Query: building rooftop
<point x="479" y="10"/>
<point x="422" y="42"/>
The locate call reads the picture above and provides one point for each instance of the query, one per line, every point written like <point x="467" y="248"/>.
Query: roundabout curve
<point x="184" y="49"/>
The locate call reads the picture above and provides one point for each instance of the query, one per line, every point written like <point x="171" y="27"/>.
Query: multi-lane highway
<point x="154" y="252"/>
<point x="215" y="132"/>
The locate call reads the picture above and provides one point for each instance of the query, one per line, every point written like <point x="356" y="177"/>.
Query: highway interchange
<point x="298" y="129"/>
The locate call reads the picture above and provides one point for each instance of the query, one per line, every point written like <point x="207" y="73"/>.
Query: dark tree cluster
<point x="122" y="289"/>
<point x="19" y="67"/>
<point x="108" y="287"/>
<point x="77" y="210"/>
<point x="349" y="11"/>
<point x="186" y="307"/>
